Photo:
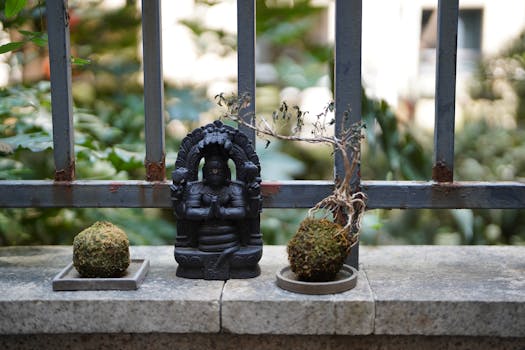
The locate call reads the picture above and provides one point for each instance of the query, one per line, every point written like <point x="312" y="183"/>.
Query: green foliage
<point x="36" y="226"/>
<point x="109" y="139"/>
<point x="26" y="127"/>
<point x="490" y="147"/>
<point x="278" y="225"/>
<point x="79" y="61"/>
<point x="16" y="14"/>
<point x="12" y="46"/>
<point x="33" y="16"/>
<point x="13" y="7"/>
<point x="187" y="104"/>
<point x="287" y="33"/>
<point x="484" y="152"/>
<point x="498" y="75"/>
<point x="392" y="150"/>
<point x="490" y="152"/>
<point x="283" y="166"/>
<point x="282" y="24"/>
<point x="25" y="132"/>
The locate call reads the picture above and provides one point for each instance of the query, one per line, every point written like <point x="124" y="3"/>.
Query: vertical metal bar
<point x="246" y="60"/>
<point x="348" y="25"/>
<point x="443" y="167"/>
<point x="153" y="90"/>
<point x="61" y="100"/>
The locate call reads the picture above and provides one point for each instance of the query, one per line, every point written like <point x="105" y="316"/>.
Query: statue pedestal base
<point x="242" y="263"/>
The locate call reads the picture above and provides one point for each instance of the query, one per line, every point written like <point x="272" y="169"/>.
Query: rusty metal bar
<point x="443" y="167"/>
<point x="246" y="59"/>
<point x="61" y="99"/>
<point x="282" y="194"/>
<point x="153" y="90"/>
<point x="347" y="89"/>
<point x="348" y="23"/>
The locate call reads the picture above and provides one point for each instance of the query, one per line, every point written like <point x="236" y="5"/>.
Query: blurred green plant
<point x="502" y="79"/>
<point x="109" y="132"/>
<point x="37" y="38"/>
<point x="484" y="152"/>
<point x="13" y="7"/>
<point x="19" y="15"/>
<point x="109" y="126"/>
<point x="26" y="153"/>
<point x="392" y="150"/>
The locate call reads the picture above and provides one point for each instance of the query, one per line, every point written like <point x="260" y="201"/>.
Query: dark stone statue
<point x="218" y="219"/>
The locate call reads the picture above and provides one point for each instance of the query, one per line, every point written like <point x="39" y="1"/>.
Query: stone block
<point x="258" y="306"/>
<point x="404" y="291"/>
<point x="460" y="290"/>
<point x="163" y="303"/>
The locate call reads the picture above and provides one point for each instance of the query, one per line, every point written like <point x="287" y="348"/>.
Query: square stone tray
<point x="69" y="279"/>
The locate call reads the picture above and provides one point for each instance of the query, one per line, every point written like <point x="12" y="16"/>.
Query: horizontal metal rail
<point x="279" y="194"/>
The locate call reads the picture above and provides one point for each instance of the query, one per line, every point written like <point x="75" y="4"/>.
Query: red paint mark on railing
<point x="114" y="187"/>
<point x="270" y="188"/>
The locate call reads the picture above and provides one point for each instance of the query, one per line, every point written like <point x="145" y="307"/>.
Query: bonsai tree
<point x="318" y="249"/>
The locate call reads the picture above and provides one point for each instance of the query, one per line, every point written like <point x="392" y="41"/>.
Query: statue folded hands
<point x="218" y="233"/>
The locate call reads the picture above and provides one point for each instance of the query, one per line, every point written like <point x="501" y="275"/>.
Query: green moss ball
<point x="317" y="252"/>
<point x="101" y="250"/>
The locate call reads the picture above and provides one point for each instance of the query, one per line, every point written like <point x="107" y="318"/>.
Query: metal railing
<point x="439" y="192"/>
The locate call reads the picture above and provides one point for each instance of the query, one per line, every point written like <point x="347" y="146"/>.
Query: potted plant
<point x="325" y="237"/>
<point x="101" y="261"/>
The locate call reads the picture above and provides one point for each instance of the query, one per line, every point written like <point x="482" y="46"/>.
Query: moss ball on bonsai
<point x="318" y="250"/>
<point x="101" y="250"/>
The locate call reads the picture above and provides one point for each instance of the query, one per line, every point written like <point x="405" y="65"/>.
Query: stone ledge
<point x="403" y="290"/>
<point x="163" y="303"/>
<point x="458" y="290"/>
<point x="258" y="306"/>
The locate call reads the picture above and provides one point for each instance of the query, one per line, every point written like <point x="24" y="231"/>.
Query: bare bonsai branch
<point x="346" y="204"/>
